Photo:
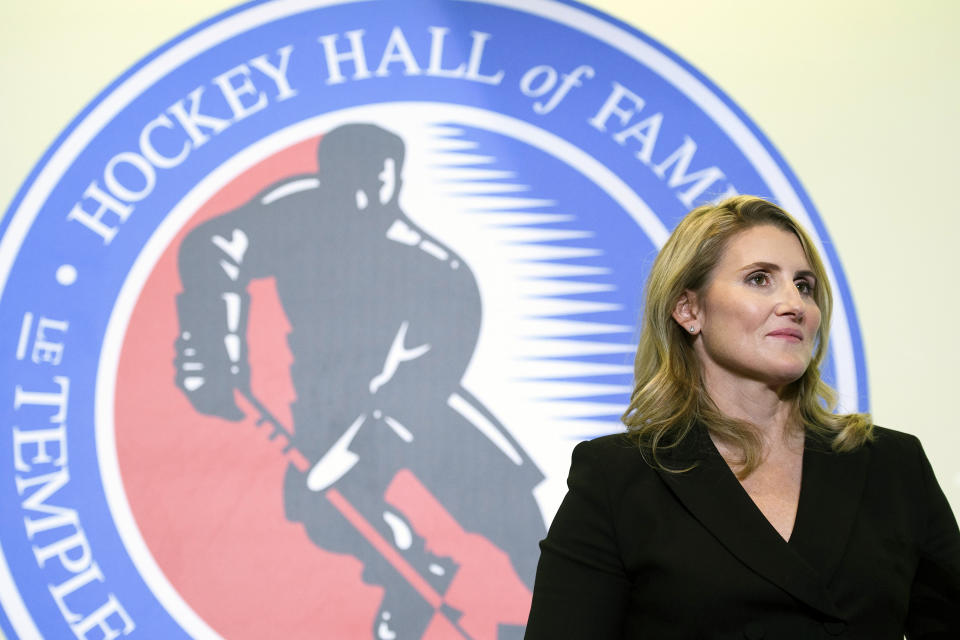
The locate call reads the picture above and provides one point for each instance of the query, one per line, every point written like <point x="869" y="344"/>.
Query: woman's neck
<point x="771" y="411"/>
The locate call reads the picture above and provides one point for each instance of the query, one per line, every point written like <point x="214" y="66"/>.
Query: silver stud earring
<point x="692" y="329"/>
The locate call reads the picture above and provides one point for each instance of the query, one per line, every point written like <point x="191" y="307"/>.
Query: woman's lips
<point x="791" y="335"/>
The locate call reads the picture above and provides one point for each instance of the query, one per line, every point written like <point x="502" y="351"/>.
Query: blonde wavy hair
<point x="669" y="397"/>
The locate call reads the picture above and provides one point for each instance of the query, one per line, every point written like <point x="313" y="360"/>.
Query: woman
<point x="737" y="505"/>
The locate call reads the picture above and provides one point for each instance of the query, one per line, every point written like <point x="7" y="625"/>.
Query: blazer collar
<point x="830" y="491"/>
<point x="830" y="494"/>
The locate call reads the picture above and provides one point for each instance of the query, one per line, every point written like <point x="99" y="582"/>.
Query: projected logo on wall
<point x="305" y="313"/>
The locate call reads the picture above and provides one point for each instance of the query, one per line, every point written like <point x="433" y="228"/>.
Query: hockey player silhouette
<point x="385" y="319"/>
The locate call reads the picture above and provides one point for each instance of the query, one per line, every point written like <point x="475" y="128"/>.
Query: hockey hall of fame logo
<point x="302" y="318"/>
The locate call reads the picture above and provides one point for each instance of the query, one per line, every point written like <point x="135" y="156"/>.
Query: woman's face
<point x="757" y="318"/>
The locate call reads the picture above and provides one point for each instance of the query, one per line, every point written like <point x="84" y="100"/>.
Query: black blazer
<point x="635" y="552"/>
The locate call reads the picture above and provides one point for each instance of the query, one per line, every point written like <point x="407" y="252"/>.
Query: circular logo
<point x="305" y="313"/>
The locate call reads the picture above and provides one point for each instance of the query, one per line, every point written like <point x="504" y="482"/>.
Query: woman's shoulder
<point x="882" y="441"/>
<point x="892" y="442"/>
<point x="897" y="454"/>
<point x="893" y="435"/>
<point x="616" y="457"/>
<point x="614" y="446"/>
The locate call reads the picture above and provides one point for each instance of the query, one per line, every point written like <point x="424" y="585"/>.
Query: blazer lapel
<point x="712" y="493"/>
<point x="830" y="495"/>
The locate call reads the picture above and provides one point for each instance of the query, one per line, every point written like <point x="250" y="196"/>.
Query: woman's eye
<point x="758" y="278"/>
<point x="804" y="287"/>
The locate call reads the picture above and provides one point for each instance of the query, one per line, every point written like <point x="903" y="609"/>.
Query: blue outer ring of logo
<point x="843" y="291"/>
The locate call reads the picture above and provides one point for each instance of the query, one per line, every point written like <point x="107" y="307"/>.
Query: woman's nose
<point x="790" y="301"/>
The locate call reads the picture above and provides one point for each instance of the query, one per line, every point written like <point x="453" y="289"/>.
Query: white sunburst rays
<point x="526" y="366"/>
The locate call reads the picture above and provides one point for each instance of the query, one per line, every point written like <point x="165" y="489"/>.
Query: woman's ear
<point x="686" y="312"/>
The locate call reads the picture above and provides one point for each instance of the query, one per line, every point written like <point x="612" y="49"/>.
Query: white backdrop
<point x="859" y="97"/>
